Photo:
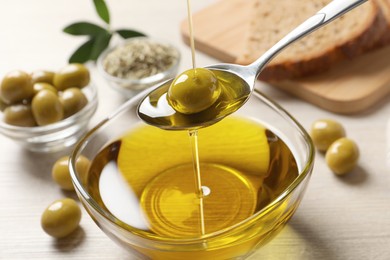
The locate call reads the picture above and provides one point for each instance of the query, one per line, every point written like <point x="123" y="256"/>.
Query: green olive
<point x="324" y="132"/>
<point x="342" y="156"/>
<point x="72" y="75"/>
<point x="47" y="108"/>
<point x="19" y="115"/>
<point x="42" y="76"/>
<point x="43" y="85"/>
<point x="61" y="218"/>
<point x="16" y="86"/>
<point x="72" y="100"/>
<point x="194" y="91"/>
<point x="61" y="175"/>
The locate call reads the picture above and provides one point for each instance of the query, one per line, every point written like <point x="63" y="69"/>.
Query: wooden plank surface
<point x="350" y="87"/>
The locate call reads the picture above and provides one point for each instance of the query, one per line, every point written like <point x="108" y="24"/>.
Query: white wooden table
<point x="340" y="218"/>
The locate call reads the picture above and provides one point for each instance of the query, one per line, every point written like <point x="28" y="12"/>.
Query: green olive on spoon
<point x="194" y="91"/>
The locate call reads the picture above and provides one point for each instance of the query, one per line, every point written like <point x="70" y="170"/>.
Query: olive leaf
<point x="100" y="44"/>
<point x="125" y="33"/>
<point x="84" y="28"/>
<point x="83" y="53"/>
<point x="99" y="37"/>
<point x="102" y="10"/>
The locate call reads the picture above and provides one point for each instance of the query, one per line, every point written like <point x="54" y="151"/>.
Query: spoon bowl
<point x="155" y="109"/>
<point x="237" y="81"/>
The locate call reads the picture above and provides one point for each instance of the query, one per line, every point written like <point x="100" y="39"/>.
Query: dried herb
<point x="140" y="58"/>
<point x="98" y="36"/>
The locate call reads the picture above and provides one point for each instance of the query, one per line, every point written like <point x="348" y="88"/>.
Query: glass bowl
<point x="129" y="87"/>
<point x="231" y="242"/>
<point x="57" y="136"/>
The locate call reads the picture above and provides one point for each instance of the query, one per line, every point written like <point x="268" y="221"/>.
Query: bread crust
<point x="358" y="44"/>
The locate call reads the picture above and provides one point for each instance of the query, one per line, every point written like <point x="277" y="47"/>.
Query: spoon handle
<point x="330" y="12"/>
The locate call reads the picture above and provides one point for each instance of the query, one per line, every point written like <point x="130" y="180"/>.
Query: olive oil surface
<point x="146" y="180"/>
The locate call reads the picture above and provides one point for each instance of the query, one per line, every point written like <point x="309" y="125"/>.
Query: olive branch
<point x="98" y="37"/>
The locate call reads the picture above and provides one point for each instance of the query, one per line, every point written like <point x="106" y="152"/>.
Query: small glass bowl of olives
<point x="47" y="111"/>
<point x="138" y="63"/>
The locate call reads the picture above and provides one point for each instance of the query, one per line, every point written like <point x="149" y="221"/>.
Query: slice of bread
<point x="350" y="35"/>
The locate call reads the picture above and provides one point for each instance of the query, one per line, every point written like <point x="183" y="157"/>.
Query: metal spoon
<point x="155" y="110"/>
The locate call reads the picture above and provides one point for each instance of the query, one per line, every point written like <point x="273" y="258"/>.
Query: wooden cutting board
<point x="349" y="87"/>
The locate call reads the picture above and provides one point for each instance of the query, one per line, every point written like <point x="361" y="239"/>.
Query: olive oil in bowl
<point x="145" y="180"/>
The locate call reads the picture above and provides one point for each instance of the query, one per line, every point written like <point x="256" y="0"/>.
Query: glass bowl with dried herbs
<point x="138" y="63"/>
